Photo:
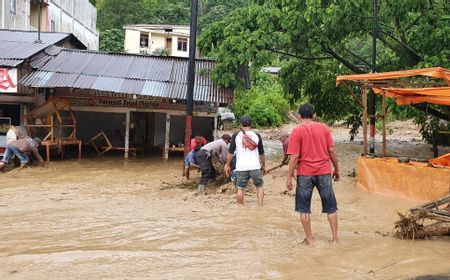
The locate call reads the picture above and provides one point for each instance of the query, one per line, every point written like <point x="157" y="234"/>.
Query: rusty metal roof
<point x="128" y="73"/>
<point x="17" y="46"/>
<point x="14" y="53"/>
<point x="31" y="36"/>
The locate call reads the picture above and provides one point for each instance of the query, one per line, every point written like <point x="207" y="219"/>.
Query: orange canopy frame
<point x="386" y="175"/>
<point x="435" y="72"/>
<point x="406" y="96"/>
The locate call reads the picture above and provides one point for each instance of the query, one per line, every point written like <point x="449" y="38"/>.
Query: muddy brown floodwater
<point x="111" y="219"/>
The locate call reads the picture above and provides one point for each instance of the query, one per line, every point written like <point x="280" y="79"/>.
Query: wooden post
<point x="127" y="133"/>
<point x="384" y="124"/>
<point x="24" y="109"/>
<point x="364" y="120"/>
<point x="166" y="139"/>
<point x="215" y="133"/>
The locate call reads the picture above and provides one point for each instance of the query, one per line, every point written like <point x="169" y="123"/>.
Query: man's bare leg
<point x="305" y="219"/>
<point x="333" y="220"/>
<point x="240" y="196"/>
<point x="260" y="195"/>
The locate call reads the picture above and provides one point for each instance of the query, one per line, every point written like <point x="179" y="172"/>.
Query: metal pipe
<point x="39" y="22"/>
<point x="191" y="76"/>
<point x="3" y="14"/>
<point x="372" y="106"/>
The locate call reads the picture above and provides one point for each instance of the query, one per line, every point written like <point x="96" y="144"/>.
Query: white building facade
<point x="68" y="16"/>
<point x="172" y="40"/>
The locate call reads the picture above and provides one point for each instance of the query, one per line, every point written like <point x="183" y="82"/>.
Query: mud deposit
<point x="110" y="219"/>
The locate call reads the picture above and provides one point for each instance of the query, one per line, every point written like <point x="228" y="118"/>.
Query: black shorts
<point x="303" y="194"/>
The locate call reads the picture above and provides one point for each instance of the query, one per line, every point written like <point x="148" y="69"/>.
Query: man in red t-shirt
<point x="311" y="148"/>
<point x="198" y="140"/>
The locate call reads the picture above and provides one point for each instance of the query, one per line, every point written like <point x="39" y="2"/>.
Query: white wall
<point x="132" y="41"/>
<point x="75" y="16"/>
<point x="175" y="51"/>
<point x="70" y="16"/>
<point x="20" y="20"/>
<point x="157" y="41"/>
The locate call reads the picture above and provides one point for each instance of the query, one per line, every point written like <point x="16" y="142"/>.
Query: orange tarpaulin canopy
<point x="435" y="72"/>
<point x="407" y="96"/>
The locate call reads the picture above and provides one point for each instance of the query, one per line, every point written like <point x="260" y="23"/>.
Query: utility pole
<point x="191" y="76"/>
<point x="39" y="22"/>
<point x="372" y="100"/>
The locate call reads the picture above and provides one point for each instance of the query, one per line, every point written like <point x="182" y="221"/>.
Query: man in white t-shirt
<point x="250" y="160"/>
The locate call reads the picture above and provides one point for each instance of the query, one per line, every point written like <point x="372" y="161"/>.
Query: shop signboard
<point x="8" y="80"/>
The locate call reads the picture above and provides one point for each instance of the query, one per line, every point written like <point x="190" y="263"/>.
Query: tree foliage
<point x="265" y="103"/>
<point x="318" y="40"/>
<point x="112" y="40"/>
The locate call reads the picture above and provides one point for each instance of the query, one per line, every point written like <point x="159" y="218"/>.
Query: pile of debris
<point x="423" y="221"/>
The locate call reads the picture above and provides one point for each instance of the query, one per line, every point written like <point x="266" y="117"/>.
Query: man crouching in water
<point x="311" y="147"/>
<point x="20" y="148"/>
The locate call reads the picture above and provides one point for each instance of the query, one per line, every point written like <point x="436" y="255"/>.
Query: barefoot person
<point x="284" y="139"/>
<point x="250" y="160"/>
<point x="20" y="148"/>
<point x="311" y="147"/>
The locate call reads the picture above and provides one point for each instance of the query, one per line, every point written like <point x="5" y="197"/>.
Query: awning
<point x="435" y="72"/>
<point x="409" y="96"/>
<point x="435" y="89"/>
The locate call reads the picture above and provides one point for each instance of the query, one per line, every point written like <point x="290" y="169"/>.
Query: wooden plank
<point x="358" y="102"/>
<point x="124" y="110"/>
<point x="384" y="124"/>
<point x="364" y="120"/>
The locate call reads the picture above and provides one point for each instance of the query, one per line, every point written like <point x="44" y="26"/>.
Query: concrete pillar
<point x="215" y="132"/>
<point x="127" y="133"/>
<point x="166" y="139"/>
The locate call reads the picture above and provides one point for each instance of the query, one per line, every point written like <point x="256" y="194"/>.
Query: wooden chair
<point x="51" y="120"/>
<point x="107" y="140"/>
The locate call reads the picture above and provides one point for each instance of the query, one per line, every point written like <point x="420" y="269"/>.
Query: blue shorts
<point x="234" y="176"/>
<point x="303" y="194"/>
<point x="244" y="176"/>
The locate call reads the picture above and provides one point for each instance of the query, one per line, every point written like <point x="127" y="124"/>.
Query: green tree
<point x="112" y="40"/>
<point x="318" y="40"/>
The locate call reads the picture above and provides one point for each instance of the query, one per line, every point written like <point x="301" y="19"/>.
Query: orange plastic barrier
<point x="415" y="181"/>
<point x="442" y="161"/>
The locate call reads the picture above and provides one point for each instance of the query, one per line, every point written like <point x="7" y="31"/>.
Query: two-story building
<point x="78" y="17"/>
<point x="171" y="40"/>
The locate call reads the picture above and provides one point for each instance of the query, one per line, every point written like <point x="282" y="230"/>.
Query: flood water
<point x="110" y="218"/>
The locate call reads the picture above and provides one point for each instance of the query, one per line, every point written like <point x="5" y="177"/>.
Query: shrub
<point x="265" y="104"/>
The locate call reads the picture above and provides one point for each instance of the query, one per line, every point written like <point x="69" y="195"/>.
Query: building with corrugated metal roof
<point x="141" y="97"/>
<point x="17" y="50"/>
<point x="20" y="52"/>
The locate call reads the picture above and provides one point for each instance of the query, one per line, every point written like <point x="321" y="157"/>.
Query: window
<point x="13" y="7"/>
<point x="182" y="45"/>
<point x="144" y="40"/>
<point x="52" y="26"/>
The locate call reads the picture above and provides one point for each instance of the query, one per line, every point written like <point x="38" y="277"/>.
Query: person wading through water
<point x="250" y="160"/>
<point x="203" y="157"/>
<point x="311" y="147"/>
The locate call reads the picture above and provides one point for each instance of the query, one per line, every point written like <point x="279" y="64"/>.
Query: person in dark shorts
<point x="311" y="147"/>
<point x="250" y="160"/>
